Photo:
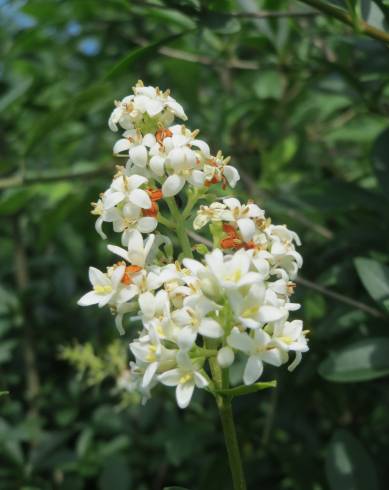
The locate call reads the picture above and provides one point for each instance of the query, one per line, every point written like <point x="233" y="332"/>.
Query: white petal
<point x="157" y="165"/>
<point x="184" y="394"/>
<point x="147" y="304"/>
<point x="149" y="374"/>
<point x="210" y="328"/>
<point x="110" y="199"/>
<point x="200" y="380"/>
<point x="117" y="276"/>
<point x="186" y="338"/>
<point x="121" y="145"/>
<point x="177" y="158"/>
<point x="97" y="277"/>
<point x="138" y="155"/>
<point x="176" y="108"/>
<point x="270" y="314"/>
<point x="231" y="174"/>
<point x="140" y="198"/>
<point x="170" y="378"/>
<point x="240" y="341"/>
<point x="147" y="224"/>
<point x="99" y="227"/>
<point x="203" y="146"/>
<point x="247" y="228"/>
<point x="296" y="362"/>
<point x="135" y="180"/>
<point x="118" y="251"/>
<point x="89" y="299"/>
<point x="153" y="107"/>
<point x="253" y="370"/>
<point x="172" y="185"/>
<point x="273" y="357"/>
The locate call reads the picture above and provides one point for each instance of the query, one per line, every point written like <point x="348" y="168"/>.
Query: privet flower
<point x="231" y="303"/>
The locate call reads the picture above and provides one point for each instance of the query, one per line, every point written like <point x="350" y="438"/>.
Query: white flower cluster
<point x="231" y="305"/>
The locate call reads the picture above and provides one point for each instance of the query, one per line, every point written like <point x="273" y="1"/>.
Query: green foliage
<point x="301" y="104"/>
<point x="348" y="465"/>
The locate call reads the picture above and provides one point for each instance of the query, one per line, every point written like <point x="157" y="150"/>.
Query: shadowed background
<point x="301" y="102"/>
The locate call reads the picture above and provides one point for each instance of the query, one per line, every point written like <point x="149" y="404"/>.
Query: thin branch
<point x="263" y="14"/>
<point x="32" y="377"/>
<point x="178" y="54"/>
<point x="343" y="16"/>
<point x="341" y="298"/>
<point x="25" y="180"/>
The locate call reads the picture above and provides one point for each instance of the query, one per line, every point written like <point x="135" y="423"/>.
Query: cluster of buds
<point x="231" y="304"/>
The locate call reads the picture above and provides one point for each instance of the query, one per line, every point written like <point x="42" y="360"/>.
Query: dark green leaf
<point x="375" y="278"/>
<point x="360" y="361"/>
<point x="348" y="465"/>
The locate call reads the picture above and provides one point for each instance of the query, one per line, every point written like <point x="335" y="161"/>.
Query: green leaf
<point x="361" y="361"/>
<point x="375" y="278"/>
<point x="139" y="53"/>
<point x="247" y="390"/>
<point x="270" y="84"/>
<point x="380" y="156"/>
<point x="348" y="465"/>
<point x="19" y="89"/>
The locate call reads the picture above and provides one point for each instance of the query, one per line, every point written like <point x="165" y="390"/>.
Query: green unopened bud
<point x="201" y="248"/>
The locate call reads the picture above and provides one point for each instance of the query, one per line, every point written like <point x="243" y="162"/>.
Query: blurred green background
<point x="301" y="102"/>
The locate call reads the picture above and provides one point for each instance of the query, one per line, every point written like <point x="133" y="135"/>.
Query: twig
<point x="22" y="280"/>
<point x="341" y="298"/>
<point x="263" y="14"/>
<point x="24" y="180"/>
<point x="343" y="16"/>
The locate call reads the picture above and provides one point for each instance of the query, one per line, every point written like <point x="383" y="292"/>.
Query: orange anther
<point x="230" y="230"/>
<point x="130" y="270"/>
<point x="161" y="134"/>
<point x="153" y="211"/>
<point x="155" y="194"/>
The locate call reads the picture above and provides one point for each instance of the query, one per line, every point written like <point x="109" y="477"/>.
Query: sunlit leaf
<point x="361" y="361"/>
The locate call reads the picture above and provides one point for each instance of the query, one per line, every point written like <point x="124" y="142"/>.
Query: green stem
<point x="220" y="380"/>
<point x="180" y="227"/>
<point x="231" y="442"/>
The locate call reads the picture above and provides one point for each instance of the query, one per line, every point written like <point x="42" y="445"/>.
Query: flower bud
<point x="225" y="357"/>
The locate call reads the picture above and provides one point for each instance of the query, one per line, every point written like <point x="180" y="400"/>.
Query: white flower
<point x="107" y="288"/>
<point x="137" y="249"/>
<point x="232" y="271"/>
<point x="215" y="212"/>
<point x="289" y="336"/>
<point x="252" y="309"/>
<point x="244" y="216"/>
<point x="193" y="320"/>
<point x="258" y="348"/>
<point x="146" y="102"/>
<point x="185" y="377"/>
<point x="127" y="188"/>
<point x="149" y="351"/>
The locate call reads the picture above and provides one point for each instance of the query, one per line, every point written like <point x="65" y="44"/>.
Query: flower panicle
<point x="236" y="298"/>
